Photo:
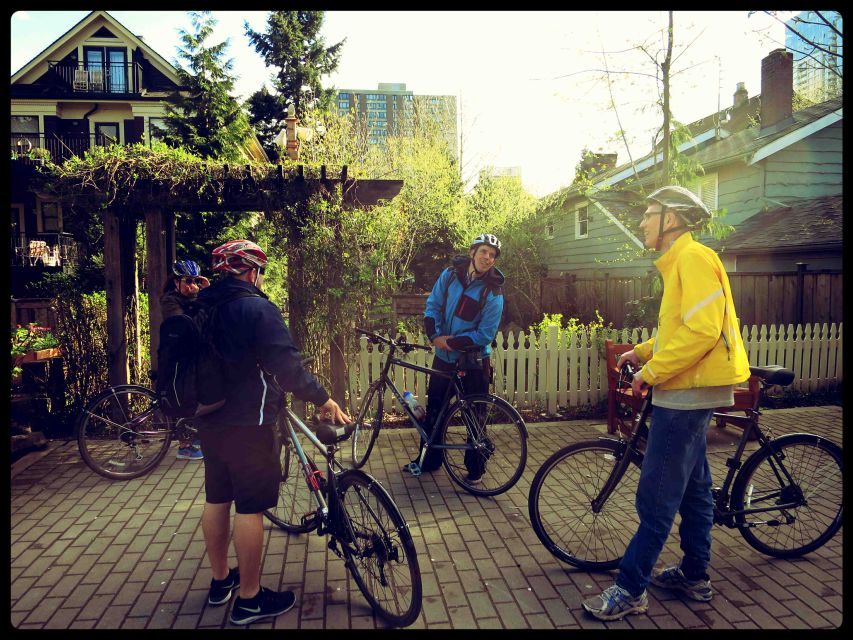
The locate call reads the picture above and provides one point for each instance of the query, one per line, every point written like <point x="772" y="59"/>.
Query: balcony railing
<point x="111" y="77"/>
<point x="44" y="249"/>
<point x="60" y="146"/>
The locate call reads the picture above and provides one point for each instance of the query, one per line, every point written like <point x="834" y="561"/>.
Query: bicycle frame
<point x="723" y="514"/>
<point x="419" y="426"/>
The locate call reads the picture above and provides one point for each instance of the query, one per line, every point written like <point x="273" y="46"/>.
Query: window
<point x="50" y="217"/>
<point x="106" y="133"/>
<point x="706" y="189"/>
<point x="549" y="231"/>
<point x="582" y="223"/>
<point x="25" y="133"/>
<point x="156" y="128"/>
<point x="343" y="95"/>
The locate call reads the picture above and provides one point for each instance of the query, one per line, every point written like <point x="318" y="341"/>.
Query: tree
<point x="202" y="115"/>
<point x="292" y="44"/>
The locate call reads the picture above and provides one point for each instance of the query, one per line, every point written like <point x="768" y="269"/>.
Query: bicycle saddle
<point x="773" y="374"/>
<point x="329" y="432"/>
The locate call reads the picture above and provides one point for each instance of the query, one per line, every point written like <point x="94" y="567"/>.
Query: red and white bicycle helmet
<point x="237" y="256"/>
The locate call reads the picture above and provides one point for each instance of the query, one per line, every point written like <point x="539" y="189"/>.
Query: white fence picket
<point x="558" y="369"/>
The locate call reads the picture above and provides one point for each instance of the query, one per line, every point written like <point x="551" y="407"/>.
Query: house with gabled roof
<point x="765" y="166"/>
<point x="96" y="84"/>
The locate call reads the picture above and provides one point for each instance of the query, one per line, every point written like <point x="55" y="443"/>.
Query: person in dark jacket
<point x="180" y="291"/>
<point x="241" y="463"/>
<point x="463" y="310"/>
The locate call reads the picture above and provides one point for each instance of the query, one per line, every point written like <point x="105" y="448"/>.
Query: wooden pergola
<point x="157" y="208"/>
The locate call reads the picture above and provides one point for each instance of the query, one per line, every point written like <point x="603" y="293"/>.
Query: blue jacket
<point x="453" y="309"/>
<point x="252" y="338"/>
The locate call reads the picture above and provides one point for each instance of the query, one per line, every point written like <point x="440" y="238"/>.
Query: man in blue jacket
<point x="241" y="463"/>
<point x="463" y="310"/>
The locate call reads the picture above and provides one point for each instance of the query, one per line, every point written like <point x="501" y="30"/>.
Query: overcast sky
<point x="526" y="81"/>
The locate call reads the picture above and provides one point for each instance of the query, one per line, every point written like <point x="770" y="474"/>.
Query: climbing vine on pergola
<point x="126" y="184"/>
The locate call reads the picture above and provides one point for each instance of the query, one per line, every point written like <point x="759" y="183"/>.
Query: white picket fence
<point x="543" y="372"/>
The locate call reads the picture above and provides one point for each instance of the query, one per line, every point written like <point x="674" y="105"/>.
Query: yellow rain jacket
<point x="698" y="343"/>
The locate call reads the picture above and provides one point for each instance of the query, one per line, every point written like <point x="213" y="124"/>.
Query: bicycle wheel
<point x="295" y="500"/>
<point x="122" y="434"/>
<point x="367" y="425"/>
<point x="381" y="557"/>
<point x="817" y="469"/>
<point x="560" y="505"/>
<point x="492" y="444"/>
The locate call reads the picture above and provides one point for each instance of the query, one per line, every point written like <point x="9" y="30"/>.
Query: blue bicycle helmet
<point x="183" y="268"/>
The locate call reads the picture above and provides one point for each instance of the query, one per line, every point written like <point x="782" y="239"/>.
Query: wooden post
<point x="155" y="249"/>
<point x="801" y="276"/>
<point x="116" y="341"/>
<point x="130" y="290"/>
<point x="337" y="361"/>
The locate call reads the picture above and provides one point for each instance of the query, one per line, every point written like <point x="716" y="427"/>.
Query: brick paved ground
<point x="90" y="553"/>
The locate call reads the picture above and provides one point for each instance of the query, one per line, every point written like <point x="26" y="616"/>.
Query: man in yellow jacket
<point x="693" y="364"/>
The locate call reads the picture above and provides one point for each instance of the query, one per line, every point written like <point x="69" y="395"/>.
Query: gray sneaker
<point x="615" y="603"/>
<point x="672" y="578"/>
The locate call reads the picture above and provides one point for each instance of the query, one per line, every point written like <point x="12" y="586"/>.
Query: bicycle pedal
<point x="308" y="519"/>
<point x="414" y="468"/>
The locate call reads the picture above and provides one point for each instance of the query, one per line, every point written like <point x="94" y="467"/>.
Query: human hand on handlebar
<point x="332" y="412"/>
<point x="628" y="356"/>
<point x="441" y="343"/>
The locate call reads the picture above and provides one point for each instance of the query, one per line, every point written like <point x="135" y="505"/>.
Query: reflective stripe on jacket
<point x="698" y="343"/>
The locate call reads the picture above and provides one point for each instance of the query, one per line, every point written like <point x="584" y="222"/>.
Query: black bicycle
<point x="123" y="434"/>
<point x="786" y="499"/>
<point x="364" y="525"/>
<point x="479" y="426"/>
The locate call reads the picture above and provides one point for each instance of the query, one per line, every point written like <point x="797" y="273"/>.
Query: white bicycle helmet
<point x="487" y="239"/>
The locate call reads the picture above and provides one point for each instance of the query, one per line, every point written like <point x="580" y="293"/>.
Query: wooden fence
<point x="760" y="298"/>
<point x="544" y="372"/>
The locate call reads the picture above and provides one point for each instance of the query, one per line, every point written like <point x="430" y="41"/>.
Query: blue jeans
<point x="675" y="478"/>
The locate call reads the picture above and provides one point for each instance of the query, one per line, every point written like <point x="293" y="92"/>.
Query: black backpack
<point x="189" y="378"/>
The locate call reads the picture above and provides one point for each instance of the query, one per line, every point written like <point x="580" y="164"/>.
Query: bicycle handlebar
<point x="405" y="346"/>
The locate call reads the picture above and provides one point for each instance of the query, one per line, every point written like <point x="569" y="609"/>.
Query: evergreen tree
<point x="203" y="116"/>
<point x="292" y="44"/>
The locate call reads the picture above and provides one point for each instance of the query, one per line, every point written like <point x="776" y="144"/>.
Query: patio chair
<point x="96" y="79"/>
<point x="81" y="80"/>
<point x="617" y="420"/>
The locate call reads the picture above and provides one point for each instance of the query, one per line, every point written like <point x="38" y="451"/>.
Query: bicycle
<point x="122" y="434"/>
<point x="785" y="500"/>
<point x="481" y="423"/>
<point x="365" y="527"/>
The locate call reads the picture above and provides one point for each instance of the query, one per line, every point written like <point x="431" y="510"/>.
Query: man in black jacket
<point x="241" y="461"/>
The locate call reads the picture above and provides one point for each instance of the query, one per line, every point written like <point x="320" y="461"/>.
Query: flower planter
<point x="36" y="356"/>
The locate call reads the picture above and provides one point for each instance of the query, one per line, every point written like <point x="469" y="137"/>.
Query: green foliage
<point x="27" y="339"/>
<point x="594" y="330"/>
<point x="293" y="46"/>
<point x="203" y="116"/>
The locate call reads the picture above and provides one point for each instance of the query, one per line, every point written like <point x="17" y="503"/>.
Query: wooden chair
<point x="96" y="79"/>
<point x="616" y="417"/>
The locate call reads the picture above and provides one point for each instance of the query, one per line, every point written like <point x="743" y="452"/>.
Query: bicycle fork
<point x="623" y="459"/>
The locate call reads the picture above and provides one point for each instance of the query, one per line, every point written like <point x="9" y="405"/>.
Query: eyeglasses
<point x="195" y="281"/>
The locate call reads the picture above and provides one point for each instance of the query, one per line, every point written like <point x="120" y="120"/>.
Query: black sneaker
<point x="220" y="590"/>
<point x="265" y="604"/>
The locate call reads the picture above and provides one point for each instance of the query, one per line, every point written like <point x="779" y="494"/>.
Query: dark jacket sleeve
<point x="278" y="356"/>
<point x="171" y="304"/>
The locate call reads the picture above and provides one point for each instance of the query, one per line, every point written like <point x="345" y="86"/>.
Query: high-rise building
<point x="817" y="48"/>
<point x="391" y="110"/>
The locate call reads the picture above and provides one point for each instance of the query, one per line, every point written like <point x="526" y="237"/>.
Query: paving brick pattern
<point x="90" y="553"/>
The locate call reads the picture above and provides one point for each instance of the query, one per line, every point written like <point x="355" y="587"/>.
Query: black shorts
<point x="241" y="464"/>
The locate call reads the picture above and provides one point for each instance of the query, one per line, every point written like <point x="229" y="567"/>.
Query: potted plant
<point x="31" y="344"/>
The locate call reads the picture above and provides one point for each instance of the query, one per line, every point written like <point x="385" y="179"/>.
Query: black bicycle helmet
<point x="184" y="268"/>
<point x="487" y="239"/>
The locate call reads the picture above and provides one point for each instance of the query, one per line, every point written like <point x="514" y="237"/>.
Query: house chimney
<point x="777" y="87"/>
<point x="741" y="95"/>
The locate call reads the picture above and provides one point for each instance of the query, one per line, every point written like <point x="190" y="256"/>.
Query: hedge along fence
<point x="558" y="369"/>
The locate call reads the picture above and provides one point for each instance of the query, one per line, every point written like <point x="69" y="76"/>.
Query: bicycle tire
<point x="500" y="436"/>
<point x="560" y="505"/>
<point x="113" y="447"/>
<point x="295" y="499"/>
<point x="382" y="558"/>
<point x="365" y="433"/>
<point x="817" y="466"/>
